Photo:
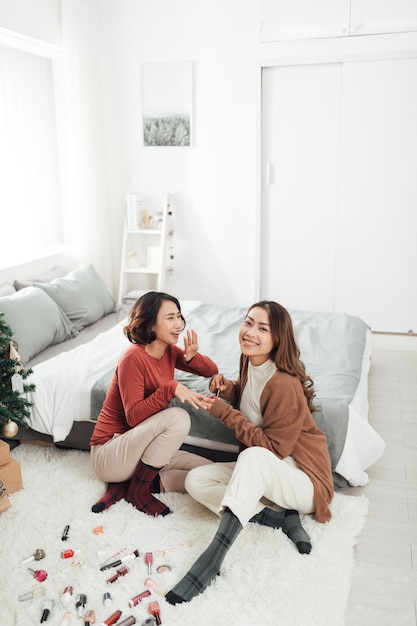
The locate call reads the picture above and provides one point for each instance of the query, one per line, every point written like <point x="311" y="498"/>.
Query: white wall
<point x="213" y="184"/>
<point x="39" y="19"/>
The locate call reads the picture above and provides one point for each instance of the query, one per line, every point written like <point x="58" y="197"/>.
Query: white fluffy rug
<point x="264" y="580"/>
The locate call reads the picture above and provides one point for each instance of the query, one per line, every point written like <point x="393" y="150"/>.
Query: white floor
<point x="384" y="586"/>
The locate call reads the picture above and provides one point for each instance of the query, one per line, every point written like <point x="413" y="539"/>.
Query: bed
<point x="72" y="374"/>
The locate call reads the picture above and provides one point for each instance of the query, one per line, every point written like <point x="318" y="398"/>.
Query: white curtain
<point x="30" y="199"/>
<point x="85" y="190"/>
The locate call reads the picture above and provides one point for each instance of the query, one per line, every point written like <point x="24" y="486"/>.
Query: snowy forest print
<point x="167" y="102"/>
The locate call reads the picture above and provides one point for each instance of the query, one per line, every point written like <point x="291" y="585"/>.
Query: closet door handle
<point x="270" y="174"/>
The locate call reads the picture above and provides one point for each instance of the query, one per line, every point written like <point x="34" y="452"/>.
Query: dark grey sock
<point x="208" y="564"/>
<point x="290" y="524"/>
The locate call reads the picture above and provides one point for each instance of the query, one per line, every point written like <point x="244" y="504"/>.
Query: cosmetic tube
<point x="134" y="555"/>
<point x="31" y="595"/>
<point x="128" y="621"/>
<point x="112" y="619"/>
<point x="141" y="596"/>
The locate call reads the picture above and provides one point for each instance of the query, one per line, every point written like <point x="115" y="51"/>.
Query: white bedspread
<point x="64" y="382"/>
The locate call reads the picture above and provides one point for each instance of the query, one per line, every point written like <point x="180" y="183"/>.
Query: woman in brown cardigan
<point x="284" y="459"/>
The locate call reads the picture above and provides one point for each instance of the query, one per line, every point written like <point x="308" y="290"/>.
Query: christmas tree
<point x="14" y="407"/>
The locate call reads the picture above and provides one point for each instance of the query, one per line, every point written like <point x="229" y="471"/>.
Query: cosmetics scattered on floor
<point x="80" y="609"/>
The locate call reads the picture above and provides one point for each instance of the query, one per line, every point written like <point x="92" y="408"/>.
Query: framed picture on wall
<point x="167" y="104"/>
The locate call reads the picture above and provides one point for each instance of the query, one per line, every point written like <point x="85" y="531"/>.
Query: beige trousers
<point x="257" y="479"/>
<point x="155" y="441"/>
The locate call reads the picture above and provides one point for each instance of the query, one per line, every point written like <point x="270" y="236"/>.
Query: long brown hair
<point x="143" y="314"/>
<point x="286" y="353"/>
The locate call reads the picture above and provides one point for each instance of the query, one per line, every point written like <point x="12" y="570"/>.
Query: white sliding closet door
<point x="339" y="189"/>
<point x="376" y="258"/>
<point x="300" y="148"/>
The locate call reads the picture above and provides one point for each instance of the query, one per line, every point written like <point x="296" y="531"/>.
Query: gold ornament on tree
<point x="10" y="429"/>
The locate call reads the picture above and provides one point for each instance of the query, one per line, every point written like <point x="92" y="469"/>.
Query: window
<point x="30" y="194"/>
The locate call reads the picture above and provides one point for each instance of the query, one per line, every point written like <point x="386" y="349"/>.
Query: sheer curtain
<point x="30" y="198"/>
<point x="85" y="189"/>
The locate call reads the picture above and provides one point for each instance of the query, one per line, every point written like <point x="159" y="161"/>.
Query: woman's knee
<point x="178" y="419"/>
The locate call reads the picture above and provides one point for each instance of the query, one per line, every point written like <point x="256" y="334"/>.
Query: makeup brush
<point x="134" y="555"/>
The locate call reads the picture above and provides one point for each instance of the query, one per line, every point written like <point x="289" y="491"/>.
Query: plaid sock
<point x="114" y="493"/>
<point x="293" y="529"/>
<point x="208" y="563"/>
<point x="290" y="524"/>
<point x="139" y="490"/>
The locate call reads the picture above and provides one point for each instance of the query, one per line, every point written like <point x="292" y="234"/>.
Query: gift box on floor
<point x="4" y="452"/>
<point x="11" y="476"/>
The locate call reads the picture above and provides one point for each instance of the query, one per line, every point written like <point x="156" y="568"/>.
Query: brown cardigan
<point x="288" y="430"/>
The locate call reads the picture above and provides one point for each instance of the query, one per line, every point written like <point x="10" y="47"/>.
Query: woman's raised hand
<point x="190" y="345"/>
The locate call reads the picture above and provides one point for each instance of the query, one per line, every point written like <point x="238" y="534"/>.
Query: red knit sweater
<point x="143" y="385"/>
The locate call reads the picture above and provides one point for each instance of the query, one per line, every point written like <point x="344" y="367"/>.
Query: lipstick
<point x="136" y="599"/>
<point x="112" y="619"/>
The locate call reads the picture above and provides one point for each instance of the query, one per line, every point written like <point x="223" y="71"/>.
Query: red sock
<point x="139" y="491"/>
<point x="114" y="493"/>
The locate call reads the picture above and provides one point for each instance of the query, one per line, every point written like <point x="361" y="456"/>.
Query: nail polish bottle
<point x="38" y="555"/>
<point x="80" y="604"/>
<point x="66" y="619"/>
<point x="155" y="610"/>
<point x="89" y="618"/>
<point x="107" y="599"/>
<point x="47" y="608"/>
<point x="39" y="574"/>
<point x="68" y="554"/>
<point x="67" y="594"/>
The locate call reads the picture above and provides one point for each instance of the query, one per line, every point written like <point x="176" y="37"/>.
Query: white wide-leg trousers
<point x="257" y="479"/>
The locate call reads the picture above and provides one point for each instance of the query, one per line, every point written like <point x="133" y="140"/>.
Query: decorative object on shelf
<point x="14" y="407"/>
<point x="147" y="251"/>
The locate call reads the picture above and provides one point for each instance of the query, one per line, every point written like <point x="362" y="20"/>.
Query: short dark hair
<point x="143" y="314"/>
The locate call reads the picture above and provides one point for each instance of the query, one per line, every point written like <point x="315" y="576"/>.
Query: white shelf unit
<point x="144" y="247"/>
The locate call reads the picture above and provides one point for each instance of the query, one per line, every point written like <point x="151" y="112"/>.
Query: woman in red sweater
<point x="284" y="459"/>
<point x="135" y="443"/>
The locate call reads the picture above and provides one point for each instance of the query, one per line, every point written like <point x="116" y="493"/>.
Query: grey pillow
<point x="82" y="295"/>
<point x="6" y="289"/>
<point x="36" y="321"/>
<point x="45" y="277"/>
